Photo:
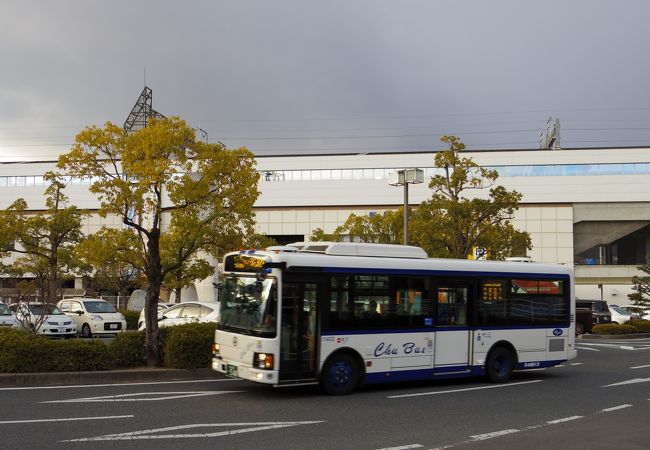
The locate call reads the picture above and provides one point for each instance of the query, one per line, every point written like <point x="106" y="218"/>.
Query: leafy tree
<point x="384" y="228"/>
<point x="25" y="294"/>
<point x="107" y="258"/>
<point x="451" y="223"/>
<point x="319" y="235"/>
<point x="257" y="240"/>
<point x="161" y="180"/>
<point x="45" y="240"/>
<point x="641" y="288"/>
<point x="187" y="270"/>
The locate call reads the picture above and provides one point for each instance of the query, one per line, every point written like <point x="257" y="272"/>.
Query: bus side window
<point x="340" y="310"/>
<point x="452" y="305"/>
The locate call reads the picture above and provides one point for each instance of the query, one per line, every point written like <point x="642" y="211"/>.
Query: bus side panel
<point x="382" y="353"/>
<point x="531" y="345"/>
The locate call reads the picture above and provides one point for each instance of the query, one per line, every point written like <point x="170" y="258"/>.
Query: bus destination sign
<point x="244" y="263"/>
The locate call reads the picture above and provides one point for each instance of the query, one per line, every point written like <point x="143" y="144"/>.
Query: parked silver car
<point x="7" y="318"/>
<point x="187" y="312"/>
<point x="45" y="318"/>
<point x="161" y="309"/>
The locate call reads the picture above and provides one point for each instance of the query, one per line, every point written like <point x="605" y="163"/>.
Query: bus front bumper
<point x="234" y="370"/>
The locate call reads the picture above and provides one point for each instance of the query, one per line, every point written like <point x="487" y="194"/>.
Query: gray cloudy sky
<point x="328" y="76"/>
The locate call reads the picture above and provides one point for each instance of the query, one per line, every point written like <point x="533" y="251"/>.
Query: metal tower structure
<point x="142" y="111"/>
<point x="551" y="139"/>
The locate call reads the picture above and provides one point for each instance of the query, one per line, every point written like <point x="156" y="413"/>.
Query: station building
<point x="584" y="207"/>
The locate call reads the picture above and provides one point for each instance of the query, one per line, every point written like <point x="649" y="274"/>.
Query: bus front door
<point x="452" y="341"/>
<point x="298" y="343"/>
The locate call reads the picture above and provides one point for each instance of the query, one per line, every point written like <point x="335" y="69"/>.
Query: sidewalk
<point x="137" y="375"/>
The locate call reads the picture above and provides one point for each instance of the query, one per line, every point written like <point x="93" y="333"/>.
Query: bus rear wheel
<point x="340" y="375"/>
<point x="499" y="365"/>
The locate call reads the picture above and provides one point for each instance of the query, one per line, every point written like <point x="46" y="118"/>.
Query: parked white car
<point x="644" y="313"/>
<point x="621" y="315"/>
<point x="93" y="316"/>
<point x="7" y="318"/>
<point x="45" y="318"/>
<point x="187" y="312"/>
<point x="161" y="309"/>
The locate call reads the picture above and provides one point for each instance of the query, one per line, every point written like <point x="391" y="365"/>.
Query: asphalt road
<point x="598" y="401"/>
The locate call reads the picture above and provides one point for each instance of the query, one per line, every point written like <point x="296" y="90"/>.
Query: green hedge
<point x="131" y="318"/>
<point x="127" y="350"/>
<point x="642" y="325"/>
<point x="614" y="328"/>
<point x="182" y="347"/>
<point x="21" y="351"/>
<point x="188" y="346"/>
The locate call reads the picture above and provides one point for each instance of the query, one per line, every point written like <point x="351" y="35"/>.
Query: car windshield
<point x="620" y="310"/>
<point x="99" y="307"/>
<point x="40" y="309"/>
<point x="248" y="306"/>
<point x="4" y="310"/>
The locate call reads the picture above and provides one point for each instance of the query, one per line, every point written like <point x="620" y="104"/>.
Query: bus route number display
<point x="244" y="263"/>
<point x="492" y="291"/>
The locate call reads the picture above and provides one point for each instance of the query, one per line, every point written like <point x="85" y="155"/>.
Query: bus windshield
<point x="248" y="306"/>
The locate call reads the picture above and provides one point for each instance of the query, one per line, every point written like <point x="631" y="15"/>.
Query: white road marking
<point x="482" y="437"/>
<point x="623" y="347"/>
<point x="564" y="419"/>
<point x="588" y="348"/>
<point x="67" y="419"/>
<point x="633" y="381"/>
<point x="615" y="408"/>
<point x="144" y="397"/>
<point x="451" y="391"/>
<point x="148" y="383"/>
<point x="576" y="364"/>
<point x="402" y="447"/>
<point x="640" y="367"/>
<point x="168" y="431"/>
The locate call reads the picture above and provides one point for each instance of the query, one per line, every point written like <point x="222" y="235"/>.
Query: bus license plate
<point x="231" y="370"/>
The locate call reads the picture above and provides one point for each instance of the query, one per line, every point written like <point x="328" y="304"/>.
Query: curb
<point x="596" y="337"/>
<point x="139" y="375"/>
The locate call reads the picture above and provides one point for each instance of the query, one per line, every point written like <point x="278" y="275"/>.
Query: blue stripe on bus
<point x="444" y="328"/>
<point x="446" y="372"/>
<point x="455" y="273"/>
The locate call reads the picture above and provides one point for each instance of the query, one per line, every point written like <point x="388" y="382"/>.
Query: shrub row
<point x="186" y="346"/>
<point x="24" y="352"/>
<point x="635" y="326"/>
<point x="131" y="318"/>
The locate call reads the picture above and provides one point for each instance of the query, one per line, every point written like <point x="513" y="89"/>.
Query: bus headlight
<point x="263" y="360"/>
<point x="215" y="351"/>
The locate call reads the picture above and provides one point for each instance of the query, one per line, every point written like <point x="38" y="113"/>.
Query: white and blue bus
<point x="348" y="314"/>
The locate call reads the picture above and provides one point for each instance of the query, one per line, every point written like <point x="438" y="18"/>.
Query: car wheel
<point x="85" y="331"/>
<point x="499" y="365"/>
<point x="580" y="328"/>
<point x="340" y="375"/>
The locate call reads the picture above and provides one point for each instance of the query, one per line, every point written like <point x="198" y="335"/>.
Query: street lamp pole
<point x="404" y="177"/>
<point x="406" y="214"/>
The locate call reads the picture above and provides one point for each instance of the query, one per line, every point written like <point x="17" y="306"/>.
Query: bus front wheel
<point x="340" y="375"/>
<point x="499" y="365"/>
